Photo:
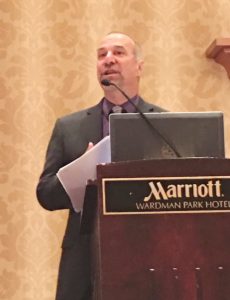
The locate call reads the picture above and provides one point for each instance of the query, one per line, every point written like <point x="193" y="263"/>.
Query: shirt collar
<point x="107" y="105"/>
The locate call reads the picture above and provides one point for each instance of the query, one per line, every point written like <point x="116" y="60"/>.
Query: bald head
<point x="122" y="36"/>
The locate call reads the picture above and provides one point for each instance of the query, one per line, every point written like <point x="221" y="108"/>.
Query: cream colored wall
<point x="47" y="69"/>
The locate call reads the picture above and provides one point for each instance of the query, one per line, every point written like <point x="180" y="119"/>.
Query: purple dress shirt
<point x="107" y="108"/>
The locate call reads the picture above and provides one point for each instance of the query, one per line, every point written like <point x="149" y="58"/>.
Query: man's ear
<point x="140" y="66"/>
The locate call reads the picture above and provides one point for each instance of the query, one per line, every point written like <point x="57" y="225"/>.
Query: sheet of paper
<point x="75" y="175"/>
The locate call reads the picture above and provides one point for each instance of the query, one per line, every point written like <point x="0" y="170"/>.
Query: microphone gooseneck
<point x="107" y="82"/>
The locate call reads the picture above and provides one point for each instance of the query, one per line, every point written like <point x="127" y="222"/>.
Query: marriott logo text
<point x="211" y="189"/>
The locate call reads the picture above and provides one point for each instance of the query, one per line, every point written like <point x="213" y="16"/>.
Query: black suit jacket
<point x="69" y="140"/>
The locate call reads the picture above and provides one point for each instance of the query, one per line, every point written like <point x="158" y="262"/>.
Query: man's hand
<point x="90" y="146"/>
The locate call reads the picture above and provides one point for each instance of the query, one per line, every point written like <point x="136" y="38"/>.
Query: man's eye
<point x="101" y="55"/>
<point x="119" y="53"/>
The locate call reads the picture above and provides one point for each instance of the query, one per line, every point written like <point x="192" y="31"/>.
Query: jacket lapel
<point x="92" y="124"/>
<point x="148" y="107"/>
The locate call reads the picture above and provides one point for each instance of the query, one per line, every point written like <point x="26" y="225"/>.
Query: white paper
<point x="75" y="175"/>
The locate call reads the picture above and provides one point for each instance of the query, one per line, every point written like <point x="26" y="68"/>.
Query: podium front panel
<point x="162" y="256"/>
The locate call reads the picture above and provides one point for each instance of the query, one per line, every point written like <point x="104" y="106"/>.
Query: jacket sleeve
<point x="50" y="193"/>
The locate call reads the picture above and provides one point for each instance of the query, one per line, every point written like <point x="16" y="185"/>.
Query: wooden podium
<point x="162" y="230"/>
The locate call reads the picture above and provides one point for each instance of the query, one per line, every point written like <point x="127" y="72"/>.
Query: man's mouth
<point x="108" y="72"/>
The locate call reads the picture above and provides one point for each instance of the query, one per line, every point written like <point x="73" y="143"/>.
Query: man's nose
<point x="109" y="58"/>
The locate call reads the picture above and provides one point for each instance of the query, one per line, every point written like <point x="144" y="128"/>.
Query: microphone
<point x="107" y="82"/>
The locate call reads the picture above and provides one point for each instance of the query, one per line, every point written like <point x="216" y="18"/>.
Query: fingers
<point x="90" y="146"/>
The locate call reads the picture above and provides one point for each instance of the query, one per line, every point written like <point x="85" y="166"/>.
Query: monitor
<point x="166" y="135"/>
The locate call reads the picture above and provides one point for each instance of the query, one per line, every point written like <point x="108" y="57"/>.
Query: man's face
<point x="117" y="62"/>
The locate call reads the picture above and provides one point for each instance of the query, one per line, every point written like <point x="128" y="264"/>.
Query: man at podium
<point x="119" y="68"/>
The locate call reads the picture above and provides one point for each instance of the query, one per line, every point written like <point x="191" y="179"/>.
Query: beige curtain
<point x="47" y="69"/>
